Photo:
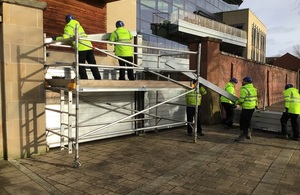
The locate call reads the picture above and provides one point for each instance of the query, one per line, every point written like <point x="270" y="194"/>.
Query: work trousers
<point x="229" y="109"/>
<point x="190" y="114"/>
<point x="122" y="70"/>
<point x="295" y="126"/>
<point x="245" y="120"/>
<point x="88" y="56"/>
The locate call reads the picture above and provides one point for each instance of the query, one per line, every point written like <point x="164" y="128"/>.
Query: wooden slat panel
<point x="116" y="83"/>
<point x="90" y="13"/>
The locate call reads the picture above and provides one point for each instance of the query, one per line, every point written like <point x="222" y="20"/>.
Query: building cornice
<point x="27" y="3"/>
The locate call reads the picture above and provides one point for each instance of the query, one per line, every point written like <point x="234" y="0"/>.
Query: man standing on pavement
<point x="248" y="101"/>
<point x="292" y="111"/>
<point x="191" y="108"/>
<point x="85" y="52"/>
<point x="122" y="35"/>
<point x="227" y="104"/>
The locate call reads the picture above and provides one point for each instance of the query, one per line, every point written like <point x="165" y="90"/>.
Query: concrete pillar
<point x="209" y="70"/>
<point x="23" y="121"/>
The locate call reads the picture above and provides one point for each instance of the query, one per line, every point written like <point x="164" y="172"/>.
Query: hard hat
<point x="119" y="23"/>
<point x="247" y="79"/>
<point x="234" y="80"/>
<point x="69" y="17"/>
<point x="288" y="86"/>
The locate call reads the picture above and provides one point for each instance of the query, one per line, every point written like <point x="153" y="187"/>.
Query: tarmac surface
<point x="166" y="162"/>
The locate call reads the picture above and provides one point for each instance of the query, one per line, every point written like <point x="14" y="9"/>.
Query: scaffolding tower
<point x="73" y="89"/>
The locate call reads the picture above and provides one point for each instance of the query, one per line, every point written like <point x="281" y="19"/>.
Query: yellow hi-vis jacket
<point x="292" y="100"/>
<point x="69" y="32"/>
<point x="248" y="97"/>
<point x="229" y="87"/>
<point x="191" y="97"/>
<point x="122" y="35"/>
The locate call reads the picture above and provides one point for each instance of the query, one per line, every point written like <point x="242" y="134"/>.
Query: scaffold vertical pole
<point x="76" y="162"/>
<point x="197" y="94"/>
<point x="62" y="125"/>
<point x="70" y="121"/>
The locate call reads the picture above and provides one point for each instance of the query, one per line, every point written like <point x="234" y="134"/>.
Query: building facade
<point x="153" y="11"/>
<point x="256" y="33"/>
<point x="240" y="31"/>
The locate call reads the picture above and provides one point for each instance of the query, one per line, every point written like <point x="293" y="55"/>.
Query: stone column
<point x="22" y="79"/>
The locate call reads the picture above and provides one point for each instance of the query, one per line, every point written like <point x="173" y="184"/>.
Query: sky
<point x="282" y="19"/>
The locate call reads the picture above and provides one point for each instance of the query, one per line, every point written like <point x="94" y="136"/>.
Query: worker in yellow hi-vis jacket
<point x="248" y="101"/>
<point x="191" y="99"/>
<point x="85" y="48"/>
<point x="291" y="111"/>
<point x="125" y="52"/>
<point x="227" y="104"/>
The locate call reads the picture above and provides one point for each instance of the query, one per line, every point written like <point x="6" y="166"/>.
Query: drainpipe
<point x="298" y="79"/>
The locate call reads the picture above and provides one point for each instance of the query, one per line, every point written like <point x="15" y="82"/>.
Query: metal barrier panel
<point x="265" y="120"/>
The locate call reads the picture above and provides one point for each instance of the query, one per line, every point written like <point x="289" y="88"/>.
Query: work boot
<point x="241" y="138"/>
<point x="225" y="126"/>
<point x="248" y="136"/>
<point x="295" y="138"/>
<point x="283" y="136"/>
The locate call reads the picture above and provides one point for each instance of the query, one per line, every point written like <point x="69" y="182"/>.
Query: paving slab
<point x="163" y="162"/>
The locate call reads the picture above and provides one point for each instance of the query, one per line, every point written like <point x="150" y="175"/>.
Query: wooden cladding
<point x="90" y="13"/>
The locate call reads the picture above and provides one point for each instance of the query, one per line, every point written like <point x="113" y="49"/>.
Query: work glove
<point x="54" y="38"/>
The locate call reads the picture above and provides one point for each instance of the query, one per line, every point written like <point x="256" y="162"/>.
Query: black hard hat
<point x="234" y="80"/>
<point x="119" y="23"/>
<point x="69" y="17"/>
<point x="288" y="86"/>
<point x="247" y="79"/>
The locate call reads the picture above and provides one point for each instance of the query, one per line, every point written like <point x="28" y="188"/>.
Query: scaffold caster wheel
<point x="76" y="164"/>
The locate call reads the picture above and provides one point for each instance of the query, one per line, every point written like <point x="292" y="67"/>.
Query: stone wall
<point x="22" y="79"/>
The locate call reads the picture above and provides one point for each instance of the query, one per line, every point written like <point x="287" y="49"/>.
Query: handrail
<point x="205" y="22"/>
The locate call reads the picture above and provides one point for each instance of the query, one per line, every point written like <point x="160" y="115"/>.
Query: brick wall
<point x="218" y="68"/>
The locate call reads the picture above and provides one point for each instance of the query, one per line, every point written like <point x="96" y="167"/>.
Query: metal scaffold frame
<point x="73" y="89"/>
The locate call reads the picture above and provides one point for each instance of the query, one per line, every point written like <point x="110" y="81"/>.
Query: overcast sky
<point x="282" y="19"/>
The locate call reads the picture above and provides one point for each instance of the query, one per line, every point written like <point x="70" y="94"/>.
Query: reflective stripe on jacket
<point x="122" y="35"/>
<point x="292" y="100"/>
<point x="69" y="32"/>
<point x="191" y="97"/>
<point x="248" y="97"/>
<point x="229" y="87"/>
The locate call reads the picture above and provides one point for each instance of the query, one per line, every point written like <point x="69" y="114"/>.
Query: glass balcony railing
<point x="207" y="23"/>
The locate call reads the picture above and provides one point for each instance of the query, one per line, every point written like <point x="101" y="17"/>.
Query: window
<point x="149" y="3"/>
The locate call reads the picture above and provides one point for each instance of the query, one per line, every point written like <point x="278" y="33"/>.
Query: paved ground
<point x="167" y="162"/>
